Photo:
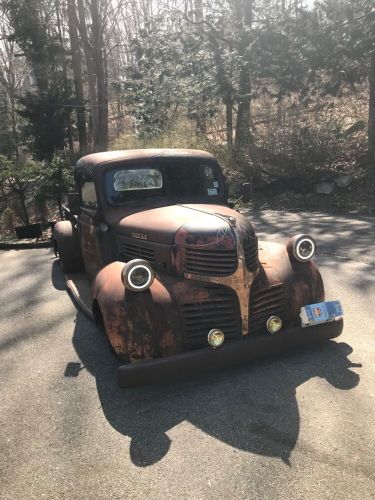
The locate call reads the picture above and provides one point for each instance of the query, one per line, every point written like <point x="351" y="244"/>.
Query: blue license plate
<point x="315" y="314"/>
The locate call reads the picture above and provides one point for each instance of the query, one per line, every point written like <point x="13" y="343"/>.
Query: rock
<point x="344" y="180"/>
<point x="325" y="188"/>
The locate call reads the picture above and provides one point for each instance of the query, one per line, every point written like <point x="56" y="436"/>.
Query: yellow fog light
<point x="274" y="324"/>
<point x="215" y="337"/>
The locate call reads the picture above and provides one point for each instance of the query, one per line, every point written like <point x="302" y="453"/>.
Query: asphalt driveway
<point x="300" y="426"/>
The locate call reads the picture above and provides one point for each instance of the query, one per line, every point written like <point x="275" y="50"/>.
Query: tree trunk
<point x="91" y="76"/>
<point x="279" y="113"/>
<point x="371" y="117"/>
<point x="200" y="111"/>
<point x="23" y="205"/>
<point x="101" y="79"/>
<point x="198" y="10"/>
<point x="65" y="74"/>
<point x="243" y="135"/>
<point x="12" y="93"/>
<point x="229" y="119"/>
<point x="201" y="125"/>
<point x="224" y="84"/>
<point x="77" y="74"/>
<point x="59" y="205"/>
<point x="244" y="141"/>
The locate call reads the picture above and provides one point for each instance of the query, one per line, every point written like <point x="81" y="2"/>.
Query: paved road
<point x="300" y="426"/>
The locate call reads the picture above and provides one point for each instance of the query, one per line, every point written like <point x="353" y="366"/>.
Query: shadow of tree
<point x="25" y="284"/>
<point x="338" y="236"/>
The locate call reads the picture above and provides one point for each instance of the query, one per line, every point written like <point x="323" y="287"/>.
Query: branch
<point x="210" y="25"/>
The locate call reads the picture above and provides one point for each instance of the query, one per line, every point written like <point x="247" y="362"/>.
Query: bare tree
<point x="13" y="75"/>
<point x="371" y="114"/>
<point x="77" y="74"/>
<point x="243" y="10"/>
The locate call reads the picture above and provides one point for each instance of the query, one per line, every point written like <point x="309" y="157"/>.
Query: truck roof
<point x="97" y="160"/>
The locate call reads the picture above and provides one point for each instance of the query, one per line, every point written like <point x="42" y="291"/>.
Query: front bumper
<point x="204" y="360"/>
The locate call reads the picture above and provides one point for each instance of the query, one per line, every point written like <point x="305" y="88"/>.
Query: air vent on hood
<point x="132" y="250"/>
<point x="210" y="262"/>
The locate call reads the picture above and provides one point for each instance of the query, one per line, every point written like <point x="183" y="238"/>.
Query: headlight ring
<point x="302" y="247"/>
<point x="137" y="275"/>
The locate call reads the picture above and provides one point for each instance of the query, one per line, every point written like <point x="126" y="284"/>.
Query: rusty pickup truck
<point x="177" y="278"/>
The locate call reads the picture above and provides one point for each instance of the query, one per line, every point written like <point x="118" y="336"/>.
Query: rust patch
<point x="139" y="325"/>
<point x="301" y="282"/>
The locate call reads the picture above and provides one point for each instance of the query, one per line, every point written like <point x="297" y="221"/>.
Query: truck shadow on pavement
<point x="252" y="407"/>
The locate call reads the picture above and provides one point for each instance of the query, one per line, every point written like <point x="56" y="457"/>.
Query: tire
<point x="66" y="247"/>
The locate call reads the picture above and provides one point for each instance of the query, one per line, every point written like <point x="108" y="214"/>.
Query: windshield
<point x="178" y="179"/>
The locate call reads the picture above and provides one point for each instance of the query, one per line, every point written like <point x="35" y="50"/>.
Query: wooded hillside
<point x="282" y="91"/>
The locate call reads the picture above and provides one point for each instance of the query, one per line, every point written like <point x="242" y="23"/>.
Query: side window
<point x="88" y="194"/>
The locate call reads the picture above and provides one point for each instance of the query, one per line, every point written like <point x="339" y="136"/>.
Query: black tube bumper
<point x="204" y="360"/>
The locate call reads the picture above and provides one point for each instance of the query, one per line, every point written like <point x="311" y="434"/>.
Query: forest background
<point x="281" y="91"/>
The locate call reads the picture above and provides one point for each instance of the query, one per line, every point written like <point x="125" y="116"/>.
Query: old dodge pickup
<point x="178" y="280"/>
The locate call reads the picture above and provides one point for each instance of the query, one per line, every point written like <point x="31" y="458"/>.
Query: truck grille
<point x="263" y="304"/>
<point x="221" y="310"/>
<point x="135" y="251"/>
<point x="251" y="253"/>
<point x="210" y="262"/>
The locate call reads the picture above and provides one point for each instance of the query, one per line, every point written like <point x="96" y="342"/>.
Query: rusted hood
<point x="161" y="224"/>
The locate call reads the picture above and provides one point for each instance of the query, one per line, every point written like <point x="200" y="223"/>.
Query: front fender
<point x="139" y="325"/>
<point x="302" y="282"/>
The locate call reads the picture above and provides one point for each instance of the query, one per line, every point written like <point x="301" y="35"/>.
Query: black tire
<point x="67" y="247"/>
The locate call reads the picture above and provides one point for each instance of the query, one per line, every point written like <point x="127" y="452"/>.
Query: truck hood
<point x="161" y="224"/>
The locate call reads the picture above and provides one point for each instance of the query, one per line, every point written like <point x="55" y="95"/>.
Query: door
<point x="91" y="252"/>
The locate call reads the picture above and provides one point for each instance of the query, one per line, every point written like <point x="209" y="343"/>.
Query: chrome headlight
<point x="302" y="247"/>
<point x="215" y="337"/>
<point x="137" y="275"/>
<point x="274" y="324"/>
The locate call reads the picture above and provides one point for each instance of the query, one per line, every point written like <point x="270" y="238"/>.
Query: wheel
<point x="66" y="246"/>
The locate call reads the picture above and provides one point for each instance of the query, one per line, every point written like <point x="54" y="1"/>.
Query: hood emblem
<point x="229" y="218"/>
<point x="139" y="236"/>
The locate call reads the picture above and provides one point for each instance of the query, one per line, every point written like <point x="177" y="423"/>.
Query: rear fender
<point x="139" y="325"/>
